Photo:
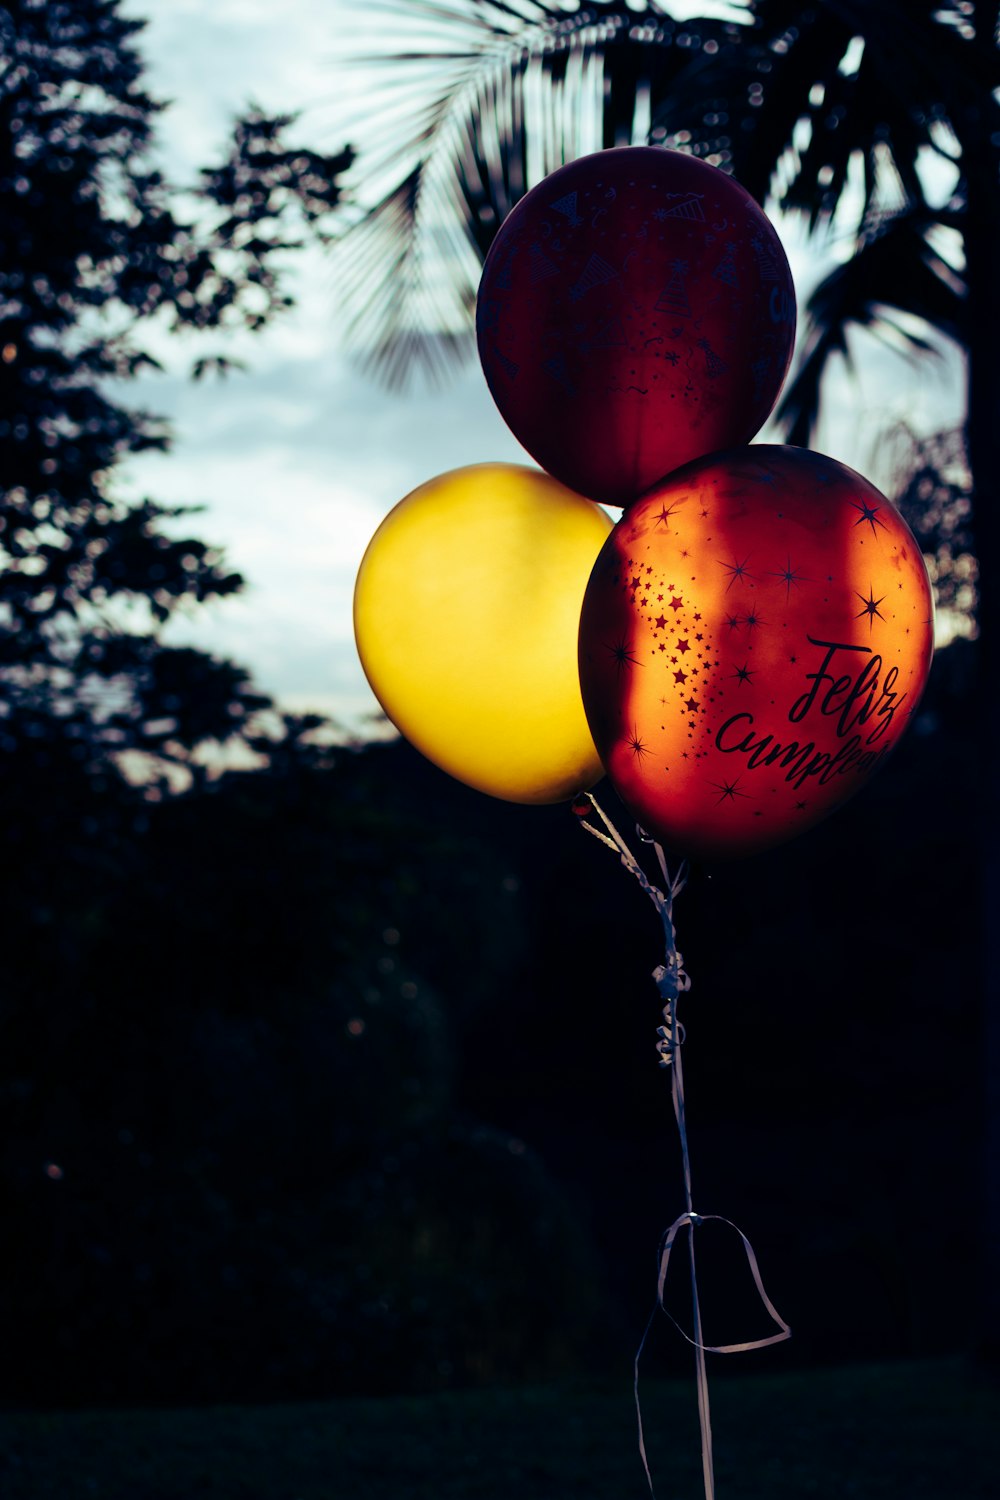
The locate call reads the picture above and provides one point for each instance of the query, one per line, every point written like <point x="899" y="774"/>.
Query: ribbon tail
<point x="638" y="1402"/>
<point x="704" y="1410"/>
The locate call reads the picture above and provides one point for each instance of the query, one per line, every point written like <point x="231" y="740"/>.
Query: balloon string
<point x="671" y="982"/>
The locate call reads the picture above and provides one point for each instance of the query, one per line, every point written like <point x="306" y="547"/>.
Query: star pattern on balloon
<point x="728" y="790"/>
<point x="635" y="744"/>
<point x="869" y="513"/>
<point x="871" y="607"/>
<point x="623" y="655"/>
<point x="738" y="571"/>
<point x="788" y="577"/>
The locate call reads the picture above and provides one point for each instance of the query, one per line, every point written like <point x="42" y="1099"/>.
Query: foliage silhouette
<point x="93" y="242"/>
<point x="327" y="1121"/>
<point x="234" y="1163"/>
<point x="807" y="105"/>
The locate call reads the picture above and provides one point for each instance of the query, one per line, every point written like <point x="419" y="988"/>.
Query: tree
<point x="93" y="242"/>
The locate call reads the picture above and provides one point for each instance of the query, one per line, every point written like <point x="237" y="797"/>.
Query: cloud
<point x="296" y="464"/>
<point x="209" y="57"/>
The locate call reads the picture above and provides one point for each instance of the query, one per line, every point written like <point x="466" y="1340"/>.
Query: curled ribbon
<point x="671" y="982"/>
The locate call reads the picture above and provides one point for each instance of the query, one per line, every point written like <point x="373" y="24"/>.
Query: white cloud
<point x="208" y="57"/>
<point x="296" y="464"/>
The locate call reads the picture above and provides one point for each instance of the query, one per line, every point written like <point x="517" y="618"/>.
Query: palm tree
<point x="824" y="108"/>
<point x="835" y="110"/>
<point x="482" y="100"/>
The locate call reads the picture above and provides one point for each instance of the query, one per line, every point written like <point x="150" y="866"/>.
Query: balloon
<point x="755" y="635"/>
<point x="466" y="612"/>
<point x="636" y="311"/>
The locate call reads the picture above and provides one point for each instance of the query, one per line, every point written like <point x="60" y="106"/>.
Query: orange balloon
<point x="755" y="636"/>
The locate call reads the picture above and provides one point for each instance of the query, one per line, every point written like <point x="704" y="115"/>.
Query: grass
<point x="921" y="1431"/>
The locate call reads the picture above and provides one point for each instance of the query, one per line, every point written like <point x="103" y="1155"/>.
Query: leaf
<point x="477" y="101"/>
<point x="894" y="271"/>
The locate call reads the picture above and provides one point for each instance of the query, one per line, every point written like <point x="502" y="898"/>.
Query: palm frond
<point x="897" y="285"/>
<point x="476" y="101"/>
<point x="818" y="102"/>
<point x="753" y="99"/>
<point x="825" y="108"/>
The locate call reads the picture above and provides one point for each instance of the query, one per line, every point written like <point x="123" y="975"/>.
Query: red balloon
<point x="636" y="311"/>
<point x="754" y="638"/>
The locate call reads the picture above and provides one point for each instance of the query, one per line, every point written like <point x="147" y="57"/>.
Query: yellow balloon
<point x="466" y="615"/>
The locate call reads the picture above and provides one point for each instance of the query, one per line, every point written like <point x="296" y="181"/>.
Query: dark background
<point x="343" y="1079"/>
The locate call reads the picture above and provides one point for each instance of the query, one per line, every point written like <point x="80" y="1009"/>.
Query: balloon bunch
<point x="739" y="652"/>
<point x="745" y="647"/>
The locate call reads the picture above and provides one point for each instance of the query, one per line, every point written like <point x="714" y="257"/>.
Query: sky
<point x="297" y="459"/>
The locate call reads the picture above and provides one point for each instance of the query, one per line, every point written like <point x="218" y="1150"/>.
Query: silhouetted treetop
<point x="93" y="241"/>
